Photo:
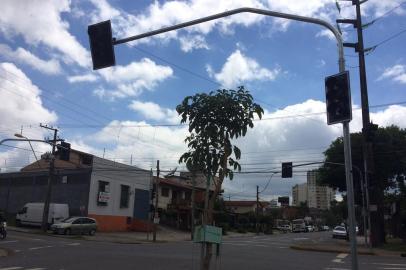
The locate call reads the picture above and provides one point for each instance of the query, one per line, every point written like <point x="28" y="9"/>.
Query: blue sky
<point x="127" y="113"/>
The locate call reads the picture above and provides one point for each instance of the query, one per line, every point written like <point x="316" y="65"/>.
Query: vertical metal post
<point x="350" y="195"/>
<point x="192" y="214"/>
<point x="257" y="212"/>
<point x="156" y="201"/>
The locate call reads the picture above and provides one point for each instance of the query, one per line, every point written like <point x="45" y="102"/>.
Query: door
<point x="141" y="204"/>
<point x="76" y="226"/>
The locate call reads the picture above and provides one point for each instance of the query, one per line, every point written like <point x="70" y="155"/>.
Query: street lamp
<point x="18" y="135"/>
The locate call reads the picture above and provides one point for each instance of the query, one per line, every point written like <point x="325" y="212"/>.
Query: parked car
<point x="31" y="214"/>
<point x="309" y="228"/>
<point x="285" y="228"/>
<point x="340" y="232"/>
<point x="75" y="225"/>
<point x="325" y="228"/>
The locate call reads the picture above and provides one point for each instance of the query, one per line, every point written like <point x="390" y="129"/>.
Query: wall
<point x="17" y="189"/>
<point x="111" y="217"/>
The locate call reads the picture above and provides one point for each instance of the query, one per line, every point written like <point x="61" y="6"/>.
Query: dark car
<point x="75" y="225"/>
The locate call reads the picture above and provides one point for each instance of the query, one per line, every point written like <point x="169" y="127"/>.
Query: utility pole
<point x="257" y="212"/>
<point x="376" y="227"/>
<point x="156" y="217"/>
<point x="45" y="213"/>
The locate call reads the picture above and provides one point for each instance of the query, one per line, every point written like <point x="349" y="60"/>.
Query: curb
<point x="330" y="250"/>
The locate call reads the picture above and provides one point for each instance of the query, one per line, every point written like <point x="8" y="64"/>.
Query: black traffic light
<point x="64" y="151"/>
<point x="101" y="45"/>
<point x="287" y="169"/>
<point x="338" y="98"/>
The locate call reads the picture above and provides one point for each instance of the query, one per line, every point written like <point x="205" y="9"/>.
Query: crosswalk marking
<point x="35" y="248"/>
<point x="342" y="255"/>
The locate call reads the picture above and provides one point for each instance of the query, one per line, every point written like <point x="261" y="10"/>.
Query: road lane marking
<point x="337" y="261"/>
<point x="17" y="250"/>
<point x="73" y="244"/>
<point x="11" y="268"/>
<point x="392" y="268"/>
<point x="342" y="255"/>
<point x="301" y="238"/>
<point x="10" y="241"/>
<point x="35" y="248"/>
<point x="35" y="269"/>
<point x="328" y="268"/>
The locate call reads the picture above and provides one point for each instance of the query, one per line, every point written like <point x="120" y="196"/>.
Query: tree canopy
<point x="389" y="152"/>
<point x="214" y="120"/>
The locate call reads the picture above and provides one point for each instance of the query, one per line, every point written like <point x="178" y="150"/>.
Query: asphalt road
<point x="39" y="252"/>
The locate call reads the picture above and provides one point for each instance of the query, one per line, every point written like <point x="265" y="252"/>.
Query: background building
<point x="313" y="195"/>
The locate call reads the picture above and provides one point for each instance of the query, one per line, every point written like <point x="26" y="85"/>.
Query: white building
<point x="315" y="196"/>
<point x="299" y="194"/>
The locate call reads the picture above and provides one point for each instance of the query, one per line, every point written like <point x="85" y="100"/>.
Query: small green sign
<point x="208" y="234"/>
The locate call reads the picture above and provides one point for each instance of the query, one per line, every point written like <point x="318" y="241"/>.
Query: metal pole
<point x="192" y="223"/>
<point x="156" y="201"/>
<point x="257" y="212"/>
<point x="350" y="195"/>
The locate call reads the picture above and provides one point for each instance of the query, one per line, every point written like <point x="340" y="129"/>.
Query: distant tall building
<point x="315" y="196"/>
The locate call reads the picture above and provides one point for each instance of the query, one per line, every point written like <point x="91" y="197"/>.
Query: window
<point x="188" y="195"/>
<point x="125" y="196"/>
<point x="103" y="195"/>
<point x="165" y="192"/>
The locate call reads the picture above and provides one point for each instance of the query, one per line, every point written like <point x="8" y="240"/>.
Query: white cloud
<point x="83" y="78"/>
<point x="41" y="23"/>
<point x="23" y="56"/>
<point x="193" y="42"/>
<point x="396" y="73"/>
<point x="155" y="112"/>
<point x="23" y="108"/>
<point x="239" y="68"/>
<point x="133" y="79"/>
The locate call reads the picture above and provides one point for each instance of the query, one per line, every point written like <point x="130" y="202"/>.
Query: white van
<point x="31" y="213"/>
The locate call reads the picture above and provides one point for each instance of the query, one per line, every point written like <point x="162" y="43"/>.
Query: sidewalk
<point x="342" y="246"/>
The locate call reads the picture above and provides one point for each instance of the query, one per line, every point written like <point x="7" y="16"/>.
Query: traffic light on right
<point x="338" y="98"/>
<point x="287" y="169"/>
<point x="101" y="45"/>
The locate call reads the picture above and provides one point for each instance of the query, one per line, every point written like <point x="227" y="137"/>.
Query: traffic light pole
<point x="346" y="131"/>
<point x="375" y="228"/>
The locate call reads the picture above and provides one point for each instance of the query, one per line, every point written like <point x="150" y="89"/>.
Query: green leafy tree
<point x="215" y="119"/>
<point x="389" y="159"/>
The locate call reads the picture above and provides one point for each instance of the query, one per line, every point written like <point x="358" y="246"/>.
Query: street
<point x="41" y="252"/>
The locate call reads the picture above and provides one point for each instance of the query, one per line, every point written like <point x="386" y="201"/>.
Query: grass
<point x="395" y="245"/>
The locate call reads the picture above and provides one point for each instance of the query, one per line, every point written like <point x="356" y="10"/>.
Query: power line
<point x="370" y="50"/>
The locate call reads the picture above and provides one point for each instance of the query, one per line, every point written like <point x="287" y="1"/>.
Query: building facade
<point x="315" y="196"/>
<point x="299" y="194"/>
<point x="116" y="195"/>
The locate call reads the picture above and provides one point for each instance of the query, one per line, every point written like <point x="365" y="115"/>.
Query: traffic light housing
<point x="338" y="98"/>
<point x="101" y="45"/>
<point x="287" y="169"/>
